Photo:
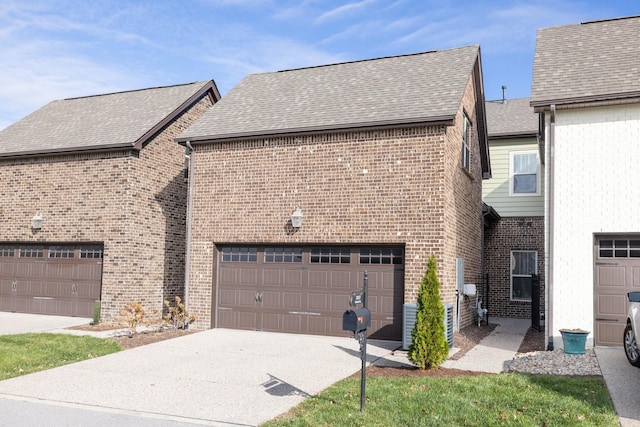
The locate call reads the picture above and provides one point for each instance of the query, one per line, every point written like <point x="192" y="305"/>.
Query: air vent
<point x="409" y="311"/>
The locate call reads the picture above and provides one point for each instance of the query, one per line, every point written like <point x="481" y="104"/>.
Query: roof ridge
<point x="620" y="18"/>
<point x="131" y="91"/>
<point x="374" y="59"/>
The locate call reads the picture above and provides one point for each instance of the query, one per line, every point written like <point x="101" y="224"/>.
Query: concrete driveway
<point x="20" y="323"/>
<point x="623" y="382"/>
<point x="214" y="377"/>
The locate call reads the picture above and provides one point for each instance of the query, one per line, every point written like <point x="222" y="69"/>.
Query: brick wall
<point x="387" y="186"/>
<point x="511" y="233"/>
<point x="132" y="202"/>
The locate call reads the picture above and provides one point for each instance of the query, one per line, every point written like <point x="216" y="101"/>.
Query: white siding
<point x="495" y="191"/>
<point x="597" y="190"/>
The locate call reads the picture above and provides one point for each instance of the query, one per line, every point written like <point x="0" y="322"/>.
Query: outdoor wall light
<point x="36" y="221"/>
<point x="296" y="218"/>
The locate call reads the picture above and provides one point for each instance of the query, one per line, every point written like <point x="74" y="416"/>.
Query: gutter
<point x="187" y="261"/>
<point x="550" y="154"/>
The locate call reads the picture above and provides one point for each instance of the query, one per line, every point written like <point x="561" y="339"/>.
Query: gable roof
<point x="513" y="118"/>
<point x="407" y="89"/>
<point x="591" y="61"/>
<point x="100" y="122"/>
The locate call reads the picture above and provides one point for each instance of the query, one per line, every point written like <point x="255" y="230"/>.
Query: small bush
<point x="132" y="315"/>
<point x="97" y="306"/>
<point x="429" y="348"/>
<point x="176" y="315"/>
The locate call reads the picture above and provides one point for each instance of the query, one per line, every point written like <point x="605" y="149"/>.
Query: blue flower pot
<point x="574" y="341"/>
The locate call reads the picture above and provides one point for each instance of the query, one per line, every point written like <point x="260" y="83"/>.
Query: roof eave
<point x="66" y="151"/>
<point x="506" y="135"/>
<point x="444" y="119"/>
<point x="544" y="104"/>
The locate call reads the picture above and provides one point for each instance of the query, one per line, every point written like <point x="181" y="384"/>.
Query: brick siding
<point x="132" y="202"/>
<point x="511" y="233"/>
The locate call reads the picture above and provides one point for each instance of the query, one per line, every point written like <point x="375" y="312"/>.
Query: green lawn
<point x="485" y="400"/>
<point x="26" y="353"/>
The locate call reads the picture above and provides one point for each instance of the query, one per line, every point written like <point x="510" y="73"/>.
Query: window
<point x="524" y="173"/>
<point x="330" y="256"/>
<point x="524" y="264"/>
<point x="240" y="254"/>
<point x="32" y="252"/>
<point x="61" y="252"/>
<point x="381" y="256"/>
<point x="619" y="248"/>
<point x="288" y="255"/>
<point x="466" y="143"/>
<point x="7" y="251"/>
<point x="91" y="252"/>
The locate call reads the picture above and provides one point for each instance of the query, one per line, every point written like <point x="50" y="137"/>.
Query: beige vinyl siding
<point x="495" y="191"/>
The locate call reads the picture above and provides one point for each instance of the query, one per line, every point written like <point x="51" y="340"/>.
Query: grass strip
<point x="486" y="400"/>
<point x="26" y="353"/>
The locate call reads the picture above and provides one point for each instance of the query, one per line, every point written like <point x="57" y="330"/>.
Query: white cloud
<point x="341" y="11"/>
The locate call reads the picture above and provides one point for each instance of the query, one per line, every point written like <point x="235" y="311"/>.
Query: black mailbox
<point x="356" y="320"/>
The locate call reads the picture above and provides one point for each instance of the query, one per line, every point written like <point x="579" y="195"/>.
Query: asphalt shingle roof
<point x="95" y="122"/>
<point x="595" y="60"/>
<point x="401" y="89"/>
<point x="514" y="118"/>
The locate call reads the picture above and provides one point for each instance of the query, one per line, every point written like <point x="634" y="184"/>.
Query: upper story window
<point x="524" y="173"/>
<point x="466" y="143"/>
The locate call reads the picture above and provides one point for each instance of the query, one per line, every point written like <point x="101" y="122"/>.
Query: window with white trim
<point x="524" y="173"/>
<point x="466" y="143"/>
<point x="524" y="264"/>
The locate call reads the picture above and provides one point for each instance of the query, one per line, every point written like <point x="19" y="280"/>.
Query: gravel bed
<point x="556" y="362"/>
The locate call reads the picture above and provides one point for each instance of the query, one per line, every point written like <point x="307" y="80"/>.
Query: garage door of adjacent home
<point x="61" y="280"/>
<point x="617" y="271"/>
<point x="307" y="289"/>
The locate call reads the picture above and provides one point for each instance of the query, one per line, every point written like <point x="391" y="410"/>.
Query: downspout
<point x="187" y="261"/>
<point x="550" y="154"/>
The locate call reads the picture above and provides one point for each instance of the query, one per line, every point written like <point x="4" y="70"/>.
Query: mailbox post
<point x="357" y="320"/>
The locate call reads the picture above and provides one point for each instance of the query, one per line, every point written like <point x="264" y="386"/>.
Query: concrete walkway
<point x="496" y="350"/>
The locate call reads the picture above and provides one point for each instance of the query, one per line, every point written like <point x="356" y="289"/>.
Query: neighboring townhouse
<point x="93" y="201"/>
<point x="586" y="84"/>
<point x="514" y="245"/>
<point x="381" y="159"/>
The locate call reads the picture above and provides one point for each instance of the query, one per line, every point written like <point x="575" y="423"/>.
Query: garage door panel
<point x="60" y="271"/>
<point x="318" y="325"/>
<point x="228" y="275"/>
<point x="318" y="279"/>
<point x="272" y="299"/>
<point x="612" y="304"/>
<point x="246" y="298"/>
<point x="30" y="269"/>
<point x="248" y="277"/>
<point x="228" y="297"/>
<point x="91" y="272"/>
<point x="271" y="322"/>
<point x="293" y="323"/>
<point x="635" y="277"/>
<point x="341" y="279"/>
<point x="88" y="291"/>
<point x="612" y="276"/>
<point x="294" y="278"/>
<point x="610" y="333"/>
<point x="247" y="320"/>
<point x="271" y="277"/>
<point x="7" y="268"/>
<point x="292" y="300"/>
<point x="319" y="302"/>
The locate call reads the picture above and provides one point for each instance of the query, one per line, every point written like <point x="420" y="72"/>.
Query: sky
<point x="55" y="49"/>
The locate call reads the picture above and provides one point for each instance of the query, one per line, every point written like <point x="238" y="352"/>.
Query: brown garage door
<point x="306" y="289"/>
<point x="61" y="280"/>
<point x="617" y="271"/>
